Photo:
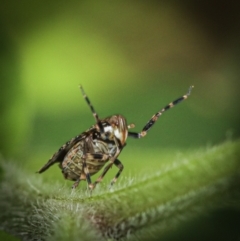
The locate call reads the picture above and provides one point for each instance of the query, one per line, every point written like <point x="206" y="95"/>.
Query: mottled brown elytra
<point x="86" y="154"/>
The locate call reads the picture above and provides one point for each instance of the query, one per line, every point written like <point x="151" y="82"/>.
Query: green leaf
<point x="139" y="209"/>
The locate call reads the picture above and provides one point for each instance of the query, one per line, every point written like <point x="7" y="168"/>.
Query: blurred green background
<point x="133" y="58"/>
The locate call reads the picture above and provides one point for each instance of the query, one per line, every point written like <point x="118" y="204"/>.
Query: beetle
<point x="87" y="153"/>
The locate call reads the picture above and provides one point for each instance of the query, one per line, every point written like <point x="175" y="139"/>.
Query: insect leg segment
<point x="103" y="174"/>
<point x="88" y="178"/>
<point x="96" y="156"/>
<point x="106" y="169"/>
<point x="92" y="110"/>
<point x="91" y="157"/>
<point x="75" y="184"/>
<point x="112" y="160"/>
<point x="85" y="172"/>
<point x="118" y="164"/>
<point x="155" y="117"/>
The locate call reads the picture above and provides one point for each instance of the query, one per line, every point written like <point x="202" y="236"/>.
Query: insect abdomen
<point x="73" y="162"/>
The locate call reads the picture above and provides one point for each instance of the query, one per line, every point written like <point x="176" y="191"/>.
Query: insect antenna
<point x="155" y="117"/>
<point x="95" y="115"/>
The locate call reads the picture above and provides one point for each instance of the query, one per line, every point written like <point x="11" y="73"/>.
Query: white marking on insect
<point x="118" y="134"/>
<point x="108" y="129"/>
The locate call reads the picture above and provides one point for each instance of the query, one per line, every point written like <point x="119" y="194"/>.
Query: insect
<point x="87" y="153"/>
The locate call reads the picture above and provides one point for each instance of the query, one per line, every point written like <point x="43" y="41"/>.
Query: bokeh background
<point x="133" y="58"/>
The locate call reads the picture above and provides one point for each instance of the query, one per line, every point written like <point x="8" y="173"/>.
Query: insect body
<point x="87" y="153"/>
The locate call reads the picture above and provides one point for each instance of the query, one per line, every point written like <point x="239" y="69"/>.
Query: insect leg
<point x="88" y="178"/>
<point x="106" y="169"/>
<point x="75" y="184"/>
<point x="155" y="117"/>
<point x="87" y="175"/>
<point x="85" y="167"/>
<point x="103" y="174"/>
<point x="95" y="115"/>
<point x="120" y="166"/>
<point x="98" y="158"/>
<point x="115" y="161"/>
